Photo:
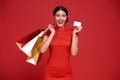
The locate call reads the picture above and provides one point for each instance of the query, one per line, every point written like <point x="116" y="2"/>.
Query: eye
<point x="57" y="15"/>
<point x="64" y="15"/>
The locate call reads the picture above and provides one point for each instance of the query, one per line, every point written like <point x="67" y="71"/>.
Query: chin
<point x="60" y="25"/>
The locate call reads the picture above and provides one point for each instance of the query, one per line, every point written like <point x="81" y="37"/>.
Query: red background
<point x="99" y="41"/>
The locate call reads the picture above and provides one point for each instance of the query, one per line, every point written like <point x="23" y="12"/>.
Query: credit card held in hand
<point x="77" y="23"/>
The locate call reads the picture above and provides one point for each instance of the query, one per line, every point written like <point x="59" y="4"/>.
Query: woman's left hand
<point x="78" y="29"/>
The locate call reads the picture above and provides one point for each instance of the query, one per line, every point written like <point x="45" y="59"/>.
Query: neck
<point x="60" y="26"/>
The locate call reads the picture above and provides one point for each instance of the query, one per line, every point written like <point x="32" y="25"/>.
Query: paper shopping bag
<point x="26" y="44"/>
<point x="35" y="52"/>
<point x="20" y="43"/>
<point x="30" y="45"/>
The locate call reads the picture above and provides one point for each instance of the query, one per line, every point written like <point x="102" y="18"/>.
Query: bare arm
<point x="74" y="46"/>
<point x="47" y="40"/>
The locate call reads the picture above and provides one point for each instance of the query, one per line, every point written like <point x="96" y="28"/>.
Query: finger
<point x="49" y="25"/>
<point x="46" y="30"/>
<point x="49" y="28"/>
<point x="80" y="27"/>
<point x="77" y="29"/>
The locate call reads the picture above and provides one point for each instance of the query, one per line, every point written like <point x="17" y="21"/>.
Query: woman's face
<point x="60" y="18"/>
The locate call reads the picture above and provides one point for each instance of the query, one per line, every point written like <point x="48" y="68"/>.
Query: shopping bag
<point x="35" y="52"/>
<point x="30" y="45"/>
<point x="20" y="43"/>
<point x="28" y="41"/>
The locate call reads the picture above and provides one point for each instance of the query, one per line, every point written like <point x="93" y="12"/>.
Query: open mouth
<point x="60" y="22"/>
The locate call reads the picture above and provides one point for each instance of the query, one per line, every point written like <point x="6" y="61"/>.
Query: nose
<point x="60" y="18"/>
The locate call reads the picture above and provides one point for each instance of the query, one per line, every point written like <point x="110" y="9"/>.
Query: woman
<point x="62" y="42"/>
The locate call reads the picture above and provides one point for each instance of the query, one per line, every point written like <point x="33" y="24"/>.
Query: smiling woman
<point x="60" y="18"/>
<point x="61" y="41"/>
<point x="98" y="57"/>
<point x="61" y="15"/>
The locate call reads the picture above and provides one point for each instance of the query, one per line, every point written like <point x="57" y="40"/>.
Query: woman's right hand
<point x="52" y="30"/>
<point x="47" y="39"/>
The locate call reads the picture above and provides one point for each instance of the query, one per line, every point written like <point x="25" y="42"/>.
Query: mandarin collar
<point x="60" y="28"/>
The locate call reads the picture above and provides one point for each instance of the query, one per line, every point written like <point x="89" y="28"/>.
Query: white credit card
<point x="77" y="23"/>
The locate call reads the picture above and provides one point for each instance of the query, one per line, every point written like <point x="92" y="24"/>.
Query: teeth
<point x="60" y="22"/>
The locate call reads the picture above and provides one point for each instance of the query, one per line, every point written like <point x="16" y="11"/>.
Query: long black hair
<point x="60" y="8"/>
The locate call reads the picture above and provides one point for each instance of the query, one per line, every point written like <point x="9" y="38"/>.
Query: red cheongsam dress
<point x="58" y="66"/>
